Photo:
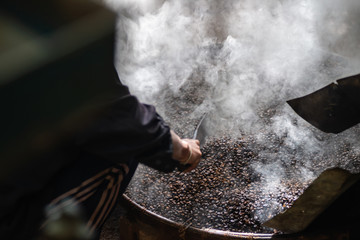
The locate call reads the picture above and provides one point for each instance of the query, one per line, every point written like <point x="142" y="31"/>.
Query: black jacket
<point x="124" y="131"/>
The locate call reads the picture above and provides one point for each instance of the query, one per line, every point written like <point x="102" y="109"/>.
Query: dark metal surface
<point x="200" y="132"/>
<point x="154" y="226"/>
<point x="333" y="108"/>
<point x="321" y="193"/>
<point x="138" y="223"/>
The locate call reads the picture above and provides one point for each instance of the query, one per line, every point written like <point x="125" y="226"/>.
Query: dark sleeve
<point x="130" y="130"/>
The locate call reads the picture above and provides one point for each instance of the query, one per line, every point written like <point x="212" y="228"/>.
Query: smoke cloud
<point x="241" y="60"/>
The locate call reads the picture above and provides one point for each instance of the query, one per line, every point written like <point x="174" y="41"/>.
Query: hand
<point x="186" y="151"/>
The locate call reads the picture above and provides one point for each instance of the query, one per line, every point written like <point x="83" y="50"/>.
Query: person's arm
<point x="132" y="130"/>
<point x="186" y="151"/>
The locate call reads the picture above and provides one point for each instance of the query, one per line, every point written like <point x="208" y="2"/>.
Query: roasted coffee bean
<point x="225" y="191"/>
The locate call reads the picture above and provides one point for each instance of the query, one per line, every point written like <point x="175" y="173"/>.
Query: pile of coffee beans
<point x="224" y="192"/>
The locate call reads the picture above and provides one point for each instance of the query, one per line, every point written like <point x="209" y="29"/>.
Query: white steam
<point x="265" y="49"/>
<point x="250" y="55"/>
